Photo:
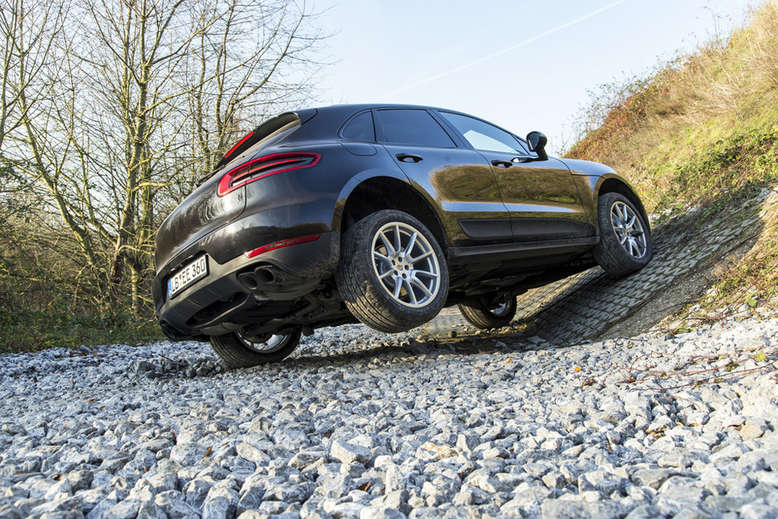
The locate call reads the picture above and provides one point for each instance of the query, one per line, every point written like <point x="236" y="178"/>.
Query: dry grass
<point x="658" y="130"/>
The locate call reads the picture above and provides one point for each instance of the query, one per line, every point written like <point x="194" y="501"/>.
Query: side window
<point x="415" y="127"/>
<point x="360" y="128"/>
<point x="484" y="136"/>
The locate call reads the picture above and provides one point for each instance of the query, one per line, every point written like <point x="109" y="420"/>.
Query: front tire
<point x="237" y="351"/>
<point x="392" y="273"/>
<point x="625" y="239"/>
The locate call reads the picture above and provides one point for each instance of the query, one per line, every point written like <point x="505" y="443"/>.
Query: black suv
<point x="382" y="214"/>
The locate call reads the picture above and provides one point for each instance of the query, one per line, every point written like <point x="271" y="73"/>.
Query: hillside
<point x="701" y="133"/>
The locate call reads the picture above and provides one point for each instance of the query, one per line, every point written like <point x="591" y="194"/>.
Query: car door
<point x="458" y="179"/>
<point x="541" y="195"/>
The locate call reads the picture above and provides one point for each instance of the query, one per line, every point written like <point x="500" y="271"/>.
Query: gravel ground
<point x="360" y="424"/>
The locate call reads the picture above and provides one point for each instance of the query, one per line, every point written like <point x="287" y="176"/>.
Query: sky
<point x="524" y="65"/>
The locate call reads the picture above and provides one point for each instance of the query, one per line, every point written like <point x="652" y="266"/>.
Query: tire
<point x="622" y="249"/>
<point x="372" y="300"/>
<point x="237" y="352"/>
<point x="484" y="316"/>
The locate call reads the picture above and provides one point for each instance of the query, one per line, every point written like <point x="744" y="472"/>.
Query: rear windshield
<point x="259" y="134"/>
<point x="269" y="132"/>
<point x="278" y="135"/>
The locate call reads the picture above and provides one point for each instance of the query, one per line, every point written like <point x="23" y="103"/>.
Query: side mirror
<point x="537" y="143"/>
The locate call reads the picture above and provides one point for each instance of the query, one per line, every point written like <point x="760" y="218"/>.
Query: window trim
<point x="351" y="118"/>
<point x="380" y="131"/>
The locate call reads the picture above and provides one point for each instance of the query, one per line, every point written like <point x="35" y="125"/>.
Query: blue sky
<point x="510" y="62"/>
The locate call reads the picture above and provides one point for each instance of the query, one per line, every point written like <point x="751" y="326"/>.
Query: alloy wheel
<point x="406" y="264"/>
<point x="271" y="345"/>
<point x="500" y="310"/>
<point x="627" y="226"/>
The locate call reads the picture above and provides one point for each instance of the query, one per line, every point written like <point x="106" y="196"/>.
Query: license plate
<point x="188" y="275"/>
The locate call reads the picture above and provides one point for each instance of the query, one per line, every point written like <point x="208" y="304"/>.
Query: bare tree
<point x="238" y="71"/>
<point x="111" y="114"/>
<point x="27" y="31"/>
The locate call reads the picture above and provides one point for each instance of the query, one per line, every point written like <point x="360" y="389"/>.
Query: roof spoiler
<point x="265" y="129"/>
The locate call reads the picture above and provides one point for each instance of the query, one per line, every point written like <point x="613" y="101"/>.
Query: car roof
<point x="336" y="115"/>
<point x="351" y="108"/>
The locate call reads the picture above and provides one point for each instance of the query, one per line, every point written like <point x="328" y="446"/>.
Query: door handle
<point x="406" y="157"/>
<point x="502" y="163"/>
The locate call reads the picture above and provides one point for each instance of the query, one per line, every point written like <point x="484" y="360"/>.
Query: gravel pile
<point x="364" y="425"/>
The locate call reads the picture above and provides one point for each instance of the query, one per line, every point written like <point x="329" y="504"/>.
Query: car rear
<point x="228" y="246"/>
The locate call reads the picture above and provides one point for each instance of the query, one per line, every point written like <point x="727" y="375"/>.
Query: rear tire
<point x="481" y="314"/>
<point x="238" y="352"/>
<point x="402" y="251"/>
<point x="625" y="238"/>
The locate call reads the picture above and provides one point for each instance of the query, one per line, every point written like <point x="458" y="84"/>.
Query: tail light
<point x="264" y="167"/>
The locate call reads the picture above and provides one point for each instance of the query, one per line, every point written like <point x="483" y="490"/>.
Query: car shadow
<point x="586" y="306"/>
<point x="462" y="345"/>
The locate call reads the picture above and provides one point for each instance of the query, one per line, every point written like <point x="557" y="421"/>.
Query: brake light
<point x="281" y="243"/>
<point x="262" y="167"/>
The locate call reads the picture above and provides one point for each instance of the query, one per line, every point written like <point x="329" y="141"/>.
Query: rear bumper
<point x="241" y="284"/>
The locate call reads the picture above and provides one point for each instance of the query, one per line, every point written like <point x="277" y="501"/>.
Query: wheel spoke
<point x="422" y="286"/>
<point x="397" y="241"/>
<point x="420" y="257"/>
<point x="430" y="274"/>
<point x="409" y="288"/>
<point x="381" y="256"/>
<point x="386" y="274"/>
<point x="411" y="243"/>
<point x="397" y="286"/>
<point x="387" y="244"/>
<point x="499" y="310"/>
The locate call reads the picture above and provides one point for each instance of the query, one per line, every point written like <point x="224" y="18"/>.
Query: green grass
<point x="697" y="127"/>
<point x="742" y="162"/>
<point x="753" y="281"/>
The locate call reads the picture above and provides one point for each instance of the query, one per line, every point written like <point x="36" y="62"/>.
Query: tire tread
<point x="235" y="354"/>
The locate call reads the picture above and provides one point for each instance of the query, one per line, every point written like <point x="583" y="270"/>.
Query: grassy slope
<point x="703" y="131"/>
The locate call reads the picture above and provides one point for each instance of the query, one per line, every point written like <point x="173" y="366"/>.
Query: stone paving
<point x="585" y="305"/>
